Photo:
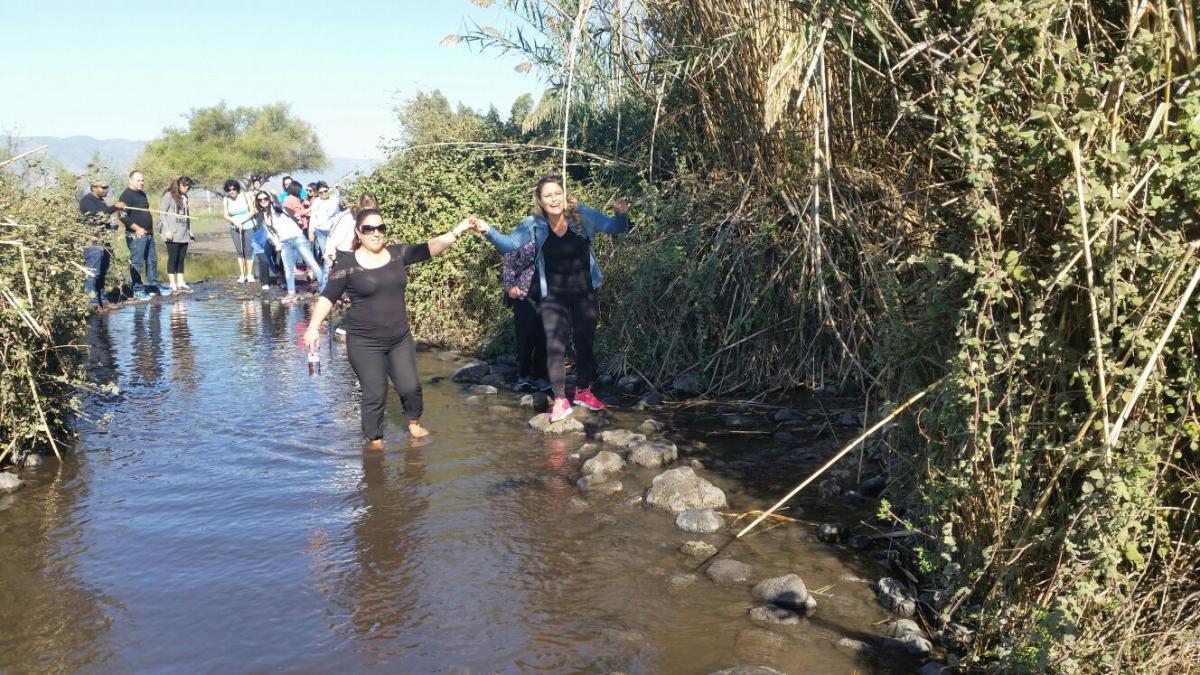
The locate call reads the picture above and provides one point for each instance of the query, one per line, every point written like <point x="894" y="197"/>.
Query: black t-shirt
<point x="568" y="266"/>
<point x="376" y="295"/>
<point x="97" y="214"/>
<point x="138" y="199"/>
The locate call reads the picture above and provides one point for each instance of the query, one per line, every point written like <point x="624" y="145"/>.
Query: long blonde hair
<point x="571" y="210"/>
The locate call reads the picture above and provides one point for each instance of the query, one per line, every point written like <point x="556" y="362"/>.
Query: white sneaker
<point x="266" y="287"/>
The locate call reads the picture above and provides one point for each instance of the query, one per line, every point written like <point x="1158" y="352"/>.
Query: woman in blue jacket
<point x="562" y="232"/>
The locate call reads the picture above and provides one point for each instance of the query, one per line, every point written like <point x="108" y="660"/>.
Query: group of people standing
<point x="551" y="277"/>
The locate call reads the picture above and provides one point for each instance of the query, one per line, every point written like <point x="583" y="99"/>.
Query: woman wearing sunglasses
<point x="292" y="244"/>
<point x="378" y="340"/>
<point x="237" y="210"/>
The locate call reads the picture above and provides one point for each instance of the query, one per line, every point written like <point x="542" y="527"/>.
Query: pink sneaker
<point x="587" y="399"/>
<point x="561" y="410"/>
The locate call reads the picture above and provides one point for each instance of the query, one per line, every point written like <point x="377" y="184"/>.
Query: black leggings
<point x="531" y="339"/>
<point x="176" y="252"/>
<point x="574" y="315"/>
<point x="373" y="361"/>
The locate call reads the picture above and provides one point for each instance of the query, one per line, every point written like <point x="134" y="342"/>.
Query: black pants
<point x="176" y="252"/>
<point x="574" y="315"/>
<point x="531" y="339"/>
<point x="374" y="361"/>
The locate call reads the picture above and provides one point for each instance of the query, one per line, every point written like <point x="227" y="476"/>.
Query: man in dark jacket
<point x="97" y="255"/>
<point x="139" y="236"/>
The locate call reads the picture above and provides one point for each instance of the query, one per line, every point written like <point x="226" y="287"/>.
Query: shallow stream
<point x="220" y="515"/>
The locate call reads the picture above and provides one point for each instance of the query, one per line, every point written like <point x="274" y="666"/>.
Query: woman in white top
<point x="291" y="242"/>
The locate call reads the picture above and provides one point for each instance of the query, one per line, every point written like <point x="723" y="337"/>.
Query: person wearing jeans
<point x="139" y="237"/>
<point x="292" y="244"/>
<point x="97" y="255"/>
<point x="562" y="232"/>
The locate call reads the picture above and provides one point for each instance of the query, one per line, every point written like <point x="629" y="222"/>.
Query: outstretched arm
<point x="442" y="242"/>
<point x="505" y="243"/>
<point x="615" y="224"/>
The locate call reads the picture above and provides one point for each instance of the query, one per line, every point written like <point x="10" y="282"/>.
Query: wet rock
<point x="895" y="597"/>
<point x="901" y="627"/>
<point x="449" y="355"/>
<point x="681" y="489"/>
<point x="729" y="571"/>
<point x="574" y="459"/>
<point x="831" y="533"/>
<point x="589" y="450"/>
<point x="527" y="401"/>
<point x="621" y="438"/>
<point x="697" y="549"/>
<point x="628" y="384"/>
<point x="33" y="460"/>
<point x="749" y="670"/>
<point x="500" y="410"/>
<point x="696" y="465"/>
<point x="606" y="463"/>
<point x="850" y="419"/>
<point x="475" y="400"/>
<point x="787" y="415"/>
<point x="435" y="379"/>
<point x="681" y="581"/>
<point x="741" y="422"/>
<point x="909" y="644"/>
<point x="599" y="485"/>
<point x="935" y="668"/>
<point x="854" y="646"/>
<point x="651" y="426"/>
<point x="577" y="504"/>
<point x="829" y="490"/>
<point x="654" y="454"/>
<point x="542" y="423"/>
<point x="852" y="498"/>
<point x="872" y="487"/>
<point x="471" y="372"/>
<point x="9" y="482"/>
<point x="851" y="579"/>
<point x="634" y="501"/>
<point x="493" y="380"/>
<point x="699" y="520"/>
<point x="483" y="390"/>
<point x="859" y="542"/>
<point x="688" y="384"/>
<point x="787" y="591"/>
<point x="786" y="437"/>
<point x="771" y="614"/>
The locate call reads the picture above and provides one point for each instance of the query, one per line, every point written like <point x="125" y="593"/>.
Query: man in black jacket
<point x="96" y="252"/>
<point x="139" y="236"/>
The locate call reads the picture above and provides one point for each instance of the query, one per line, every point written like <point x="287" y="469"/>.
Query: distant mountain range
<point x="74" y="152"/>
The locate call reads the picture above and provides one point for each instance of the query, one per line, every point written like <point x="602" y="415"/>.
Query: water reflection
<point x="145" y="344"/>
<point x="183" y="352"/>
<point x="102" y="358"/>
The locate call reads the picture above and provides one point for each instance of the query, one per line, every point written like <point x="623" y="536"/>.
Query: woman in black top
<point x="378" y="340"/>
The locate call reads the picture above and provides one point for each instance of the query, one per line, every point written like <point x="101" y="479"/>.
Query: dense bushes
<point x="43" y="314"/>
<point x="999" y="195"/>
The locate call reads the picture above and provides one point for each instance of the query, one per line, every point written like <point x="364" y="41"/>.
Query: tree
<point x="221" y="143"/>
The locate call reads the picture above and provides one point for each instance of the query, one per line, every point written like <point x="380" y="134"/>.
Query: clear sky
<point x="127" y="69"/>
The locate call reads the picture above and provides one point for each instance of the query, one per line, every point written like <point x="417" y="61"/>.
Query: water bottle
<point x="314" y="363"/>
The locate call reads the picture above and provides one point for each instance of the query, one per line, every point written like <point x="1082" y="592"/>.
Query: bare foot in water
<point x="374" y="444"/>
<point x="416" y="430"/>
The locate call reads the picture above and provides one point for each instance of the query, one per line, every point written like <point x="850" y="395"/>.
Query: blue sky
<point x="128" y="69"/>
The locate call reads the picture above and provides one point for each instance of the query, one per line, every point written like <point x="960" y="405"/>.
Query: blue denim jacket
<point x="536" y="230"/>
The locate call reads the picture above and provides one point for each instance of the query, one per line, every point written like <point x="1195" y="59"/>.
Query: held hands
<point x="478" y="225"/>
<point x="516" y="293"/>
<point x="621" y="206"/>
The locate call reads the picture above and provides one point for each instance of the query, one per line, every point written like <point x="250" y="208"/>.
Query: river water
<point x="219" y="514"/>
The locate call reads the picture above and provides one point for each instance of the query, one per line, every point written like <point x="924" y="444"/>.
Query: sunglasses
<point x="372" y="229"/>
<point x="264" y="200"/>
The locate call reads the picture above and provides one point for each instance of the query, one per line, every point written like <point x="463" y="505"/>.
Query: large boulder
<point x="542" y="423"/>
<point x="621" y="438"/>
<point x="787" y="591"/>
<point x="681" y="489"/>
<point x="471" y="372"/>
<point x="699" y="520"/>
<point x="654" y="454"/>
<point x="606" y="463"/>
